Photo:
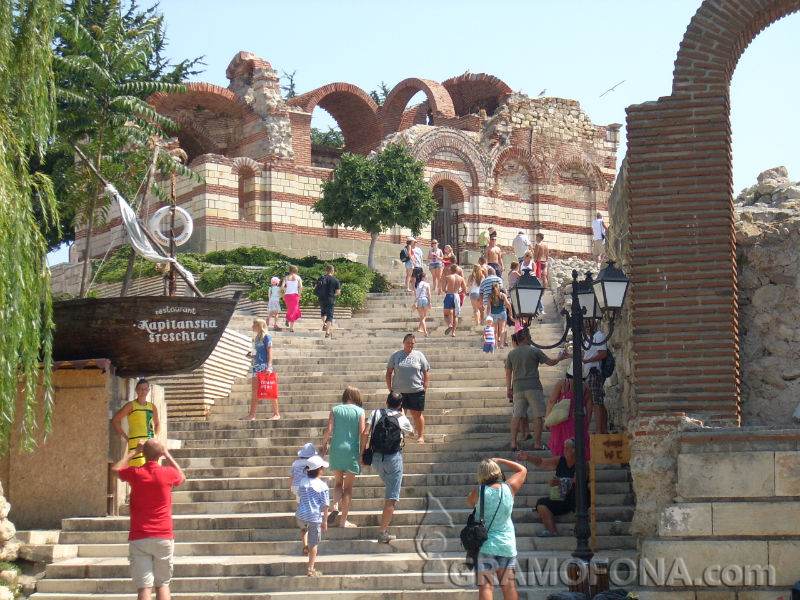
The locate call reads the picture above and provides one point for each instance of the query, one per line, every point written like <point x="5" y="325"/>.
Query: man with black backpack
<point x="383" y="435"/>
<point x="327" y="288"/>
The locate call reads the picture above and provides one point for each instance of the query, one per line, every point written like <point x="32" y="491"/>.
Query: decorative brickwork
<point x="439" y="101"/>
<point x="683" y="271"/>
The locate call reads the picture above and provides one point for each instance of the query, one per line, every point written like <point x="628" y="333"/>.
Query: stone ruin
<point x="768" y="257"/>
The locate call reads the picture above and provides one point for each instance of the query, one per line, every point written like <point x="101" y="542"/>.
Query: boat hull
<point x="141" y="335"/>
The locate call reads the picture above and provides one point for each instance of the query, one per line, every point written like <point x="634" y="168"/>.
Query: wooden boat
<point x="141" y="335"/>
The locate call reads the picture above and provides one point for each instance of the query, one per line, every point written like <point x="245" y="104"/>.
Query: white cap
<point x="315" y="462"/>
<point x="489" y="318"/>
<point x="308" y="450"/>
<point x="411" y="239"/>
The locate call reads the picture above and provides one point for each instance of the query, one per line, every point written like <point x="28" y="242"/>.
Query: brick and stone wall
<point x="507" y="160"/>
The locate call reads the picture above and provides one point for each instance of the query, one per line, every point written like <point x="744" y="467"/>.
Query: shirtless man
<point x="541" y="254"/>
<point x="484" y="266"/>
<point x="454" y="285"/>
<point x="494" y="255"/>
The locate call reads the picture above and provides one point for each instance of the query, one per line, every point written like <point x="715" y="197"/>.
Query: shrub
<point x="222" y="267"/>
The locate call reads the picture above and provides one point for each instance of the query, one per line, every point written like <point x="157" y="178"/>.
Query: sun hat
<point x="307" y="451"/>
<point x="275" y="280"/>
<point x="315" y="462"/>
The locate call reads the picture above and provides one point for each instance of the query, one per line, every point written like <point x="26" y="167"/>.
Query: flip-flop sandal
<point x="314" y="573"/>
<point x="546" y="533"/>
<point x="305" y="550"/>
<point x="332" y="516"/>
<point x="543" y="447"/>
<point x="530" y="437"/>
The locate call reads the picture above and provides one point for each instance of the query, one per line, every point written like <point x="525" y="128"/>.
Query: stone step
<point x="241" y="476"/>
<point x="346" y="546"/>
<point x="286" y="520"/>
<point x="369" y="505"/>
<point x="403" y="532"/>
<point x="38" y="536"/>
<point x="383" y="560"/>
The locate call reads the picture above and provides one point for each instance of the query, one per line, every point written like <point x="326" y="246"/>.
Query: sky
<point x="574" y="49"/>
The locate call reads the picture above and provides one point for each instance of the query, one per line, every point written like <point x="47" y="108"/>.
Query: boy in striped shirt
<point x="312" y="512"/>
<point x="488" y="335"/>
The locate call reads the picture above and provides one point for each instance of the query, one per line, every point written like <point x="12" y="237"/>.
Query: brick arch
<point x="717" y="37"/>
<point x="533" y="167"/>
<point x="353" y="110"/>
<point x="476" y="91"/>
<point x="451" y="183"/>
<point x="439" y="101"/>
<point x="195" y="139"/>
<point x="244" y="162"/>
<point x="589" y="169"/>
<point x="205" y="95"/>
<point x="680" y="199"/>
<point x="460" y="144"/>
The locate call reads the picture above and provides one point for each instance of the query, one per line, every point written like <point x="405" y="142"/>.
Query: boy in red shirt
<point x="151" y="538"/>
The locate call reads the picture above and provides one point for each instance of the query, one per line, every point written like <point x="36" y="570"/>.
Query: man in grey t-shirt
<point x="524" y="386"/>
<point x="408" y="372"/>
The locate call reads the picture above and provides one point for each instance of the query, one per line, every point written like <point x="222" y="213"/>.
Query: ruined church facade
<point x="492" y="157"/>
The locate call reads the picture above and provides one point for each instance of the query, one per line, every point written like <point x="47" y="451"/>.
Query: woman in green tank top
<point x="143" y="422"/>
<point x="343" y="439"/>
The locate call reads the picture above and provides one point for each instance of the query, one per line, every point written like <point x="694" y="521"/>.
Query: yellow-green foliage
<point x="26" y="126"/>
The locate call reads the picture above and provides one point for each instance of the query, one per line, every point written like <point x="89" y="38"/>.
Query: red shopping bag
<point x="267" y="385"/>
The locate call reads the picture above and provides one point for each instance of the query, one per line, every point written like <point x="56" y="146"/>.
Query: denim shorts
<point x="423" y="303"/>
<point x="389" y="468"/>
<point x="490" y="562"/>
<point x="314" y="531"/>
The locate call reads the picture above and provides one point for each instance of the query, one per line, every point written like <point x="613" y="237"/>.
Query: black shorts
<point x="326" y="310"/>
<point x="414" y="401"/>
<point x="557" y="507"/>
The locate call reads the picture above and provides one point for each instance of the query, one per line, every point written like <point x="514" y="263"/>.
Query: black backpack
<point x="387" y="436"/>
<point x="320" y="287"/>
<point x="607" y="365"/>
<point x="404" y="254"/>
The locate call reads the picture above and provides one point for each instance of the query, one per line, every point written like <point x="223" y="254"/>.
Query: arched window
<point x="247" y="194"/>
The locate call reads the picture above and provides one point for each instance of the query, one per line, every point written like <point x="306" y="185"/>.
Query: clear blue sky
<point x="574" y="49"/>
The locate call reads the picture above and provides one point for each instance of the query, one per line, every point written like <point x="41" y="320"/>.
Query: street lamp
<point x="526" y="294"/>
<point x="601" y="297"/>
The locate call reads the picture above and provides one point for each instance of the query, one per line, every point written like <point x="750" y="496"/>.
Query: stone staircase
<point x="234" y="517"/>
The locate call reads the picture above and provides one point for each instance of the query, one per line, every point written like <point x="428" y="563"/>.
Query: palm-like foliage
<point x="101" y="73"/>
<point x="26" y="125"/>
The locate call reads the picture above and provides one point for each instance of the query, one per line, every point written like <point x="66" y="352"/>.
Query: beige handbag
<point x="559" y="413"/>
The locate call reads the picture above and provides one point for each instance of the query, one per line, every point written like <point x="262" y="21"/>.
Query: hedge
<point x="221" y="267"/>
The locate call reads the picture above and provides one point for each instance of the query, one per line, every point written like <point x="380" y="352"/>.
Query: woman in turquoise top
<point x="343" y="439"/>
<point x="499" y="552"/>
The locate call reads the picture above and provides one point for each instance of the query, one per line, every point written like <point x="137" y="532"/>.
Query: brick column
<point x="683" y="268"/>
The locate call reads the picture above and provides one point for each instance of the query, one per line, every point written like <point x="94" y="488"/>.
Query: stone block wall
<point x="720" y="518"/>
<point x="67" y="474"/>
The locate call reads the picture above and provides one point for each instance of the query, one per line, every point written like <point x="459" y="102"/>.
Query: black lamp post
<point x="590" y="300"/>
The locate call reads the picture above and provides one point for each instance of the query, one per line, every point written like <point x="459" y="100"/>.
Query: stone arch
<point x="460" y="144"/>
<point x="195" y="139"/>
<point x="451" y="182"/>
<point x="353" y="110"/>
<point x="534" y="168"/>
<point x="439" y="101"/>
<point x="244" y="162"/>
<point x="476" y="91"/>
<point x="589" y="169"/>
<point x="680" y="180"/>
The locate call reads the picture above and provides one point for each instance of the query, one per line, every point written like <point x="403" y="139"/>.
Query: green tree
<point x="374" y="194"/>
<point x="102" y="71"/>
<point x="289" y="89"/>
<point x="26" y="126"/>
<point x="379" y="95"/>
<point x="333" y="138"/>
<point x="59" y="160"/>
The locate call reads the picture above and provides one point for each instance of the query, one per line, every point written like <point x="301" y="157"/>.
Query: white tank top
<point x="291" y="286"/>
